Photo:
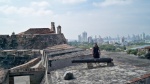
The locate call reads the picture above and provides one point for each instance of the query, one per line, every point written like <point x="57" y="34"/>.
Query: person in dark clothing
<point x="96" y="51"/>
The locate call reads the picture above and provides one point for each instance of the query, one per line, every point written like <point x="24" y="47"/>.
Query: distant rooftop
<point x="142" y="47"/>
<point x="38" y="31"/>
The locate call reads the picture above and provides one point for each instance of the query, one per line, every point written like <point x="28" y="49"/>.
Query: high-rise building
<point x="79" y="38"/>
<point x="84" y="36"/>
<point x="143" y="36"/>
<point x="90" y="40"/>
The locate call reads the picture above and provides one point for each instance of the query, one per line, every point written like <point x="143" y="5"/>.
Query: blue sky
<point x="96" y="17"/>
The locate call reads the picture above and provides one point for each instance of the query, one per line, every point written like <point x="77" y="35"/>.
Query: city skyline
<point x="121" y="40"/>
<point x="97" y="17"/>
<point x="107" y="36"/>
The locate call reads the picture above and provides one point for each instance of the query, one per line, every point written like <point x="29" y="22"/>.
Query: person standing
<point x="96" y="51"/>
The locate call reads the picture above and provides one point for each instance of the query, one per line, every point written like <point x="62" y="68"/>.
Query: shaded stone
<point x="68" y="76"/>
<point x="89" y="65"/>
<point x="110" y="64"/>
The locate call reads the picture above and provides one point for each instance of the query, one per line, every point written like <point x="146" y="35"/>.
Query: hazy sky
<point x="96" y="17"/>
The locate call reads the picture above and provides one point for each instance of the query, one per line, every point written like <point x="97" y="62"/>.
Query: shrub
<point x="133" y="51"/>
<point x="128" y="51"/>
<point x="108" y="47"/>
<point x="140" y="53"/>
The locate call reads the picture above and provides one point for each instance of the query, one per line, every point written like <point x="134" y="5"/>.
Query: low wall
<point x="5" y="78"/>
<point x="62" y="52"/>
<point x="145" y="79"/>
<point x="28" y="64"/>
<point x="62" y="63"/>
<point x="24" y="68"/>
<point x="37" y="77"/>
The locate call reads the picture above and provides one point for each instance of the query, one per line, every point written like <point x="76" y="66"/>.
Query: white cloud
<point x="39" y="9"/>
<point x="69" y="13"/>
<point x="25" y="11"/>
<point x="40" y="4"/>
<point x="72" y="1"/>
<point x="8" y="9"/>
<point x="44" y="12"/>
<point x="112" y="2"/>
<point x="4" y="1"/>
<point x="9" y="21"/>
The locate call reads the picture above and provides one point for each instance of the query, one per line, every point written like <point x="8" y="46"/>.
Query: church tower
<point x="53" y="27"/>
<point x="59" y="29"/>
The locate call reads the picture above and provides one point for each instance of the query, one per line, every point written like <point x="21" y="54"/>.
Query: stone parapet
<point x="145" y="79"/>
<point x="28" y="64"/>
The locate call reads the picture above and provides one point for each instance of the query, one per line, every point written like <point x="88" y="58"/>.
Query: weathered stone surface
<point x="89" y="65"/>
<point x="123" y="71"/>
<point x="3" y="74"/>
<point x="59" y="47"/>
<point x="32" y="41"/>
<point x="43" y="41"/>
<point x="110" y="64"/>
<point x="100" y="75"/>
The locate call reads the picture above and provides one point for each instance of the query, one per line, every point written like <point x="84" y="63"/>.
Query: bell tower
<point x="53" y="27"/>
<point x="59" y="29"/>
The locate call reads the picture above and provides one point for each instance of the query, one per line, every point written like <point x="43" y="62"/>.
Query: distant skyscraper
<point x="90" y="40"/>
<point x="138" y="37"/>
<point x="143" y="36"/>
<point x="84" y="36"/>
<point x="133" y="37"/>
<point x="79" y="38"/>
<point x="118" y="39"/>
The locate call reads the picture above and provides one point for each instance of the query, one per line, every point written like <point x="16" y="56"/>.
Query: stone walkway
<point x="126" y="68"/>
<point x="118" y="74"/>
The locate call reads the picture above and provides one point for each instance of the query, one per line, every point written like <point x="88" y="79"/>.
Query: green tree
<point x="13" y="44"/>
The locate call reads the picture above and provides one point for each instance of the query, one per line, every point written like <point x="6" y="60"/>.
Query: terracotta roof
<point x="38" y="31"/>
<point x="148" y="47"/>
<point x="21" y="33"/>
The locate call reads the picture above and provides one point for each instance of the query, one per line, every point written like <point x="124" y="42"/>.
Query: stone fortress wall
<point x="33" y="38"/>
<point x="23" y="43"/>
